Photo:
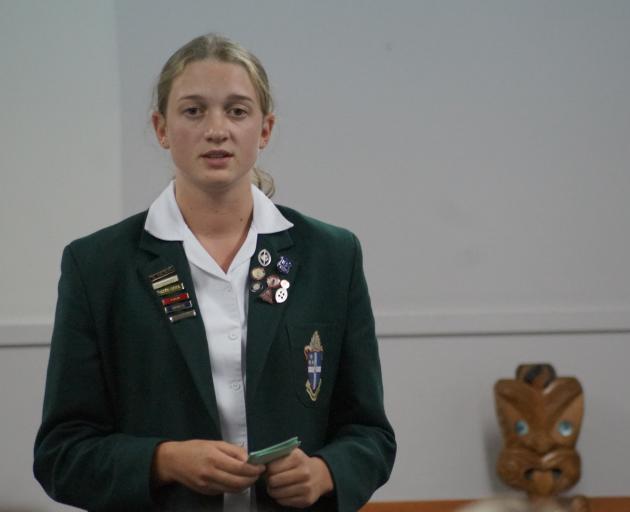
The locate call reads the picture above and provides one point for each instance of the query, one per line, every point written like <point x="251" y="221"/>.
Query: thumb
<point x="234" y="451"/>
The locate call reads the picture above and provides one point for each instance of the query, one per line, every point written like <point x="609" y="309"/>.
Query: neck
<point x="222" y="214"/>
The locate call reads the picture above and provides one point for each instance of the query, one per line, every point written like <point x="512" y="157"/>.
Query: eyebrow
<point x="231" y="97"/>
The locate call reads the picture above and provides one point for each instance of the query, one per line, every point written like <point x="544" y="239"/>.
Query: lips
<point x="217" y="153"/>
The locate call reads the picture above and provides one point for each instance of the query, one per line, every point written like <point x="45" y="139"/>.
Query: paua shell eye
<point x="521" y="428"/>
<point x="565" y="428"/>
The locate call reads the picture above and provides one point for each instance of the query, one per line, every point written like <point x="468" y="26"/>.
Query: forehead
<point x="213" y="79"/>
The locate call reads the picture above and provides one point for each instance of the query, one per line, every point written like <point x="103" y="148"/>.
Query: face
<point x="540" y="416"/>
<point x="214" y="126"/>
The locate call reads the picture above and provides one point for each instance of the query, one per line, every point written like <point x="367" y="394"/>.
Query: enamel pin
<point x="284" y="265"/>
<point x="177" y="304"/>
<point x="314" y="354"/>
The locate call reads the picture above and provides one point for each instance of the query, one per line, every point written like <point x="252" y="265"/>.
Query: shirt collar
<point x="165" y="220"/>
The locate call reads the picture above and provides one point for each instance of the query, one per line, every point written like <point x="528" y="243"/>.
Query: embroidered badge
<point x="167" y="286"/>
<point x="314" y="354"/>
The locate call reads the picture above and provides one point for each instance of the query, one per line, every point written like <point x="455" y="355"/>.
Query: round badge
<point x="257" y="286"/>
<point x="281" y="295"/>
<point x="258" y="273"/>
<point x="284" y="283"/>
<point x="264" y="258"/>
<point x="273" y="281"/>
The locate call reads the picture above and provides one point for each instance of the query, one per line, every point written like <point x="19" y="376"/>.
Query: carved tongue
<point x="543" y="482"/>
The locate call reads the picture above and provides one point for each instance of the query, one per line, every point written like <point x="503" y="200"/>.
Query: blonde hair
<point x="213" y="46"/>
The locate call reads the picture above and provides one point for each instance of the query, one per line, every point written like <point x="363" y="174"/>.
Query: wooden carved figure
<point x="540" y="416"/>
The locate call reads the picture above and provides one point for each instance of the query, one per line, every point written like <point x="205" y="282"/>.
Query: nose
<point x="542" y="443"/>
<point x="216" y="131"/>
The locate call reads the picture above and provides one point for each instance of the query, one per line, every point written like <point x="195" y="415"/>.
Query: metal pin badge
<point x="178" y="306"/>
<point x="167" y="290"/>
<point x="175" y="298"/>
<point x="257" y="286"/>
<point x="264" y="257"/>
<point x="180" y="316"/>
<point x="281" y="295"/>
<point x="267" y="296"/>
<point x="170" y="270"/>
<point x="161" y="283"/>
<point x="273" y="281"/>
<point x="258" y="273"/>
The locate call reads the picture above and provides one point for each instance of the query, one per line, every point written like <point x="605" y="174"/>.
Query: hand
<point x="207" y="467"/>
<point x="298" y="480"/>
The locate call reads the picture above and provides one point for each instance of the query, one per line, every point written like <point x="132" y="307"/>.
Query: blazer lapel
<point x="263" y="319"/>
<point x="189" y="333"/>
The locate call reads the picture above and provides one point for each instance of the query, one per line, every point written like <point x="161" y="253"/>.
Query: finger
<point x="227" y="461"/>
<point x="299" y="498"/>
<point x="286" y="478"/>
<point x="288" y="491"/>
<point x="241" y="469"/>
<point x="232" y="450"/>
<point x="286" y="463"/>
<point x="228" y="482"/>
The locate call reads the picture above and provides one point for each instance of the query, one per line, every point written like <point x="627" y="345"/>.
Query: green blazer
<point x="122" y="378"/>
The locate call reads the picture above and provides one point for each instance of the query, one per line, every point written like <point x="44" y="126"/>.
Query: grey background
<point x="478" y="148"/>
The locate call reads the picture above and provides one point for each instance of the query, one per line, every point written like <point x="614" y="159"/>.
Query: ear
<point x="267" y="127"/>
<point x="159" y="125"/>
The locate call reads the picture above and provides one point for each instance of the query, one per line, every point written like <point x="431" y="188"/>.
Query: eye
<point x="192" y="111"/>
<point x="521" y="428"/>
<point x="237" y="112"/>
<point x="565" y="428"/>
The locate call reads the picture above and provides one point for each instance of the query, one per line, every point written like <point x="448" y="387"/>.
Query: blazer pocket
<point x="314" y="352"/>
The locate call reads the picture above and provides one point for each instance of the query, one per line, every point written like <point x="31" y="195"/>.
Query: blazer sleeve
<point x="362" y="447"/>
<point x="80" y="458"/>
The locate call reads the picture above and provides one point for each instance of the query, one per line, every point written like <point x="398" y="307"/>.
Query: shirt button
<point x="233" y="335"/>
<point x="236" y="386"/>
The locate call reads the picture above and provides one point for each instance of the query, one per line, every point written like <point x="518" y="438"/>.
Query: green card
<point x="273" y="452"/>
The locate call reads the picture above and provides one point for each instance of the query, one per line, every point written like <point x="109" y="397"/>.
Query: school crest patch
<point x="314" y="354"/>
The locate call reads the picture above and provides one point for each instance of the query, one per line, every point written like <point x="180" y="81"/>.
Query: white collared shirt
<point x="222" y="302"/>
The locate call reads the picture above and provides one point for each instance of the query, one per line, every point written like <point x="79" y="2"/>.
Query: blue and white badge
<point x="314" y="354"/>
<point x="284" y="265"/>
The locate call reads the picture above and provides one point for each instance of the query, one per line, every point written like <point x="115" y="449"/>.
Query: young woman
<point x="211" y="326"/>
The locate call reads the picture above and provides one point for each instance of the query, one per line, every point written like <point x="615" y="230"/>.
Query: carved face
<point x="540" y="417"/>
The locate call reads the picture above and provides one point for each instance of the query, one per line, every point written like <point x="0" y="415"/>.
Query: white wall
<point x="60" y="132"/>
<point x="60" y="177"/>
<point x="478" y="148"/>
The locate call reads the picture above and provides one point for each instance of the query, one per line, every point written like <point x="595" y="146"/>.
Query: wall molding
<point x="502" y="322"/>
<point x="37" y="332"/>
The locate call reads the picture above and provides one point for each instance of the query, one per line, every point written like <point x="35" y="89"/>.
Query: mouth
<point x="217" y="154"/>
